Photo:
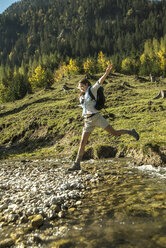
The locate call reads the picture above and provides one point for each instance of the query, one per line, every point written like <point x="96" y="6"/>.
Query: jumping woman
<point x="92" y="117"/>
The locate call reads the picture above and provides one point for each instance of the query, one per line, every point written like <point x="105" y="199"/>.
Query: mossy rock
<point x="161" y="242"/>
<point x="99" y="151"/>
<point x="37" y="221"/>
<point x="62" y="244"/>
<point x="89" y="153"/>
<point x="104" y="151"/>
<point x="138" y="210"/>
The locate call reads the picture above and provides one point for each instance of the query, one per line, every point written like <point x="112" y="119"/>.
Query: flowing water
<point x="126" y="209"/>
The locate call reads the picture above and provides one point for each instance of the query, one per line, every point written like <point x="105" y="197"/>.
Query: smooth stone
<point x="161" y="242"/>
<point x="62" y="243"/>
<point x="17" y="235"/>
<point x="56" y="208"/>
<point x="37" y="221"/>
<point x="13" y="217"/>
<point x="61" y="214"/>
<point x="6" y="243"/>
<point x="3" y="206"/>
<point x="71" y="210"/>
<point x="78" y="203"/>
<point x="23" y="220"/>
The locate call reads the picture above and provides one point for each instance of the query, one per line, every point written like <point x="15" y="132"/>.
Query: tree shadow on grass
<point x="27" y="146"/>
<point x="17" y="110"/>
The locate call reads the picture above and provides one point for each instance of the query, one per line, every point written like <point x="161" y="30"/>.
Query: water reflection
<point x="126" y="209"/>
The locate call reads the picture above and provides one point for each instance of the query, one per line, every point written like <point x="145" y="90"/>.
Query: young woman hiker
<point x="92" y="117"/>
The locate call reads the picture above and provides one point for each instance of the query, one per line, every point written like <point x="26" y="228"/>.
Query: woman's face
<point x="83" y="87"/>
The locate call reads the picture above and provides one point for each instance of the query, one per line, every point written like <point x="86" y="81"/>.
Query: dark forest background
<point x="131" y="33"/>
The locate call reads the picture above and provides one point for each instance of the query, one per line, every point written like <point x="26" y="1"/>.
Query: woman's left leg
<point x="119" y="132"/>
<point x="114" y="132"/>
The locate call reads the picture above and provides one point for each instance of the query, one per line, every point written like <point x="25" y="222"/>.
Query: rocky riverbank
<point x="109" y="203"/>
<point x="35" y="192"/>
<point x="155" y="156"/>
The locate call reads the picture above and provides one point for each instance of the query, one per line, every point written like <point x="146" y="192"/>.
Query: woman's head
<point x="83" y="84"/>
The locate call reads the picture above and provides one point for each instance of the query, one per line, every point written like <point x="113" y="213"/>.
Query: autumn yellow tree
<point x="156" y="46"/>
<point x="39" y="79"/>
<point x="72" y="68"/>
<point x="162" y="55"/>
<point x="153" y="60"/>
<point x="148" y="48"/>
<point x="129" y="66"/>
<point x="162" y="61"/>
<point x="90" y="65"/>
<point x="60" y="72"/>
<point x="102" y="62"/>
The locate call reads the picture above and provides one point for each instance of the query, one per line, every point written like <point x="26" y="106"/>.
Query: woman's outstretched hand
<point x="109" y="68"/>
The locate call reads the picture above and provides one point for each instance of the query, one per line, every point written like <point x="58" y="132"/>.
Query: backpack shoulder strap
<point x="90" y="93"/>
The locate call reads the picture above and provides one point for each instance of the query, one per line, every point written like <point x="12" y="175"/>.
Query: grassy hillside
<point x="49" y="122"/>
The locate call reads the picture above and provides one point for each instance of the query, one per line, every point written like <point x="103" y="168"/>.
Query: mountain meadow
<point x="118" y="197"/>
<point x="46" y="47"/>
<point x="49" y="122"/>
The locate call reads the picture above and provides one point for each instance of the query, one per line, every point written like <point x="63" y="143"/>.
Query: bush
<point x="90" y="66"/>
<point x="59" y="73"/>
<point x="41" y="78"/>
<point x="14" y="87"/>
<point x="72" y="68"/>
<point x="129" y="66"/>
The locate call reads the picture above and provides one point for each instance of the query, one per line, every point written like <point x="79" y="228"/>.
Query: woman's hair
<point x="83" y="81"/>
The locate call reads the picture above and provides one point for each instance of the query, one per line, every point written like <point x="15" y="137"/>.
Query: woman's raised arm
<point x="109" y="68"/>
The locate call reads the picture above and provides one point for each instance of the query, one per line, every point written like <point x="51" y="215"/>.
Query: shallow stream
<point x="126" y="209"/>
<point x="122" y="206"/>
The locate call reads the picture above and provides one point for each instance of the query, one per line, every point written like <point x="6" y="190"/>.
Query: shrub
<point x="72" y="68"/>
<point x="14" y="87"/>
<point x="90" y="66"/>
<point x="41" y="78"/>
<point x="59" y="73"/>
<point x="129" y="66"/>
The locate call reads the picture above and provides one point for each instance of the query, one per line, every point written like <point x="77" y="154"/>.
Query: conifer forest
<point x="40" y="41"/>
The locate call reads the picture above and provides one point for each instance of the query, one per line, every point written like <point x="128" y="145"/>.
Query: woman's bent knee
<point x="112" y="131"/>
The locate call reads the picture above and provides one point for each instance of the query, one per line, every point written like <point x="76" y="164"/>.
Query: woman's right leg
<point x="83" y="142"/>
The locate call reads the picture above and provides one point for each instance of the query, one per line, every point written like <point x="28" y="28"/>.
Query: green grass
<point x="49" y="122"/>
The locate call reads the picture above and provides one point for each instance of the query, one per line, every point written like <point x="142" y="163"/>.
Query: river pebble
<point x="42" y="187"/>
<point x="110" y="204"/>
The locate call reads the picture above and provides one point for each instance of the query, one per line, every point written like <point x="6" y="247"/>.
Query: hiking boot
<point x="76" y="166"/>
<point x="135" y="134"/>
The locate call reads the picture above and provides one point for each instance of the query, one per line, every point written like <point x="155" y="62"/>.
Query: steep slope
<point x="49" y="123"/>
